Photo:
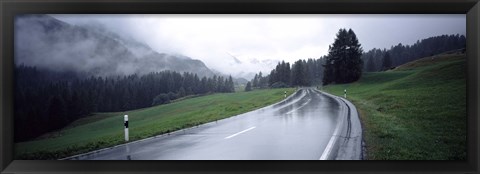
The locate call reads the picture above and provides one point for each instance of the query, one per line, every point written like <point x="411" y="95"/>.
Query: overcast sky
<point x="258" y="41"/>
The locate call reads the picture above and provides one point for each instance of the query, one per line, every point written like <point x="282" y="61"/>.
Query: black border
<point x="9" y="8"/>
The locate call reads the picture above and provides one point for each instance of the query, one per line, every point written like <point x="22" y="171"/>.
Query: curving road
<point x="309" y="125"/>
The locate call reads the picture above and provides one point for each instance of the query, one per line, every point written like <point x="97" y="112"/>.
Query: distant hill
<point x="401" y="54"/>
<point x="443" y="57"/>
<point x="48" y="43"/>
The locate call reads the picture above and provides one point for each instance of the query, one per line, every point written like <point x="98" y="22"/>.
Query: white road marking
<point x="332" y="141"/>
<point x="240" y="132"/>
<point x="299" y="107"/>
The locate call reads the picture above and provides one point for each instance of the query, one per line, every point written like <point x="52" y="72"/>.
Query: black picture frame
<point x="10" y="8"/>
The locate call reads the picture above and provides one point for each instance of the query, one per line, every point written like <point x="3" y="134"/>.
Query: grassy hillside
<point x="414" y="112"/>
<point x="106" y="129"/>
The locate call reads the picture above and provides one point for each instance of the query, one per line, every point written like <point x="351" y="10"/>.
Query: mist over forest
<point x="66" y="72"/>
<point x="47" y="43"/>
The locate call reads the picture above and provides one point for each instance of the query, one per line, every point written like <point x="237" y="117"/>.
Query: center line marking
<point x="240" y="132"/>
<point x="298" y="107"/>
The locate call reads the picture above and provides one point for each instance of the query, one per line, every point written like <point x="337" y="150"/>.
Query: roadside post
<point x="285" y="94"/>
<point x="126" y="127"/>
<point x="345" y="93"/>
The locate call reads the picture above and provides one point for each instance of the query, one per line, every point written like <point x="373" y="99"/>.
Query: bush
<point x="161" y="99"/>
<point x="172" y="96"/>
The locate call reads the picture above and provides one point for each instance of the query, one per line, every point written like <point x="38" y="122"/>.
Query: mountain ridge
<point x="48" y="43"/>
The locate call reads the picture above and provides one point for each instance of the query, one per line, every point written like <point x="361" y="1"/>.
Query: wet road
<point x="299" y="127"/>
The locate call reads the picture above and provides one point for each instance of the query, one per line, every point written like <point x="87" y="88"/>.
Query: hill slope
<point x="48" y="43"/>
<point x="415" y="112"/>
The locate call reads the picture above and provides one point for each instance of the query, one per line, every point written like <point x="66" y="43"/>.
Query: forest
<point x="400" y="54"/>
<point x="301" y="73"/>
<point x="312" y="71"/>
<point x="46" y="100"/>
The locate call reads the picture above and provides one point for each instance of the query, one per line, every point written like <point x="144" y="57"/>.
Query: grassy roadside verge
<point x="415" y="112"/>
<point x="106" y="129"/>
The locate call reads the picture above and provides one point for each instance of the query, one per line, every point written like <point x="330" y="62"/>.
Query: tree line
<point x="341" y="65"/>
<point x="47" y="100"/>
<point x="346" y="61"/>
<point x="379" y="60"/>
<point x="300" y="73"/>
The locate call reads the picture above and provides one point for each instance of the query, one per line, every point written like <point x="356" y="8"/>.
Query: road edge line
<point x="327" y="153"/>
<point x="167" y="134"/>
<point x="353" y="137"/>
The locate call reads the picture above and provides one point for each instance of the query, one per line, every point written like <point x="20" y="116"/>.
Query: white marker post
<point x="126" y="127"/>
<point x="345" y="93"/>
<point x="285" y="94"/>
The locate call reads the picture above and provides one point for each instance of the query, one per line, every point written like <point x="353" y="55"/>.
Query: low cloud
<point x="215" y="38"/>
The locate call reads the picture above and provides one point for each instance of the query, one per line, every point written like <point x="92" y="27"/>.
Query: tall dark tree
<point x="329" y="74"/>
<point x="299" y="74"/>
<point x="255" y="81"/>
<point x="370" y="65"/>
<point x="285" y="72"/>
<point x="387" y="62"/>
<point x="354" y="63"/>
<point x="273" y="77"/>
<point x="57" y="113"/>
<point x="230" y="87"/>
<point x="344" y="63"/>
<point x="248" y="87"/>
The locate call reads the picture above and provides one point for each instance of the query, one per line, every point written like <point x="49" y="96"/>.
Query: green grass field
<point x="106" y="129"/>
<point x="414" y="112"/>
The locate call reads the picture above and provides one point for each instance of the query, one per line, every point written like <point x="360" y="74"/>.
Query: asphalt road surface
<point x="301" y="127"/>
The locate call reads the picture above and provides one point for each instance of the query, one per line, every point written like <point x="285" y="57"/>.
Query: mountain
<point x="48" y="43"/>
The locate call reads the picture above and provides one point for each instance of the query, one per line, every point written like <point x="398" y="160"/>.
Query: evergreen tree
<point x="370" y="65"/>
<point x="343" y="64"/>
<point x="248" y="87"/>
<point x="231" y="85"/>
<point x="273" y="77"/>
<point x="57" y="113"/>
<point x="387" y="62"/>
<point x="299" y="75"/>
<point x="354" y="63"/>
<point x="204" y="85"/>
<point x="255" y="81"/>
<point x="259" y="80"/>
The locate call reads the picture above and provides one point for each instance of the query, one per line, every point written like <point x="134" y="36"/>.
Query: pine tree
<point x="231" y="85"/>
<point x="57" y="113"/>
<point x="370" y="65"/>
<point x="299" y="74"/>
<point x="387" y="62"/>
<point x="248" y="87"/>
<point x="255" y="81"/>
<point x="354" y="63"/>
<point x="344" y="63"/>
<point x="273" y="77"/>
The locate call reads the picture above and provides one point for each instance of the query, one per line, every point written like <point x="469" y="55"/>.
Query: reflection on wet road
<point x="299" y="127"/>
